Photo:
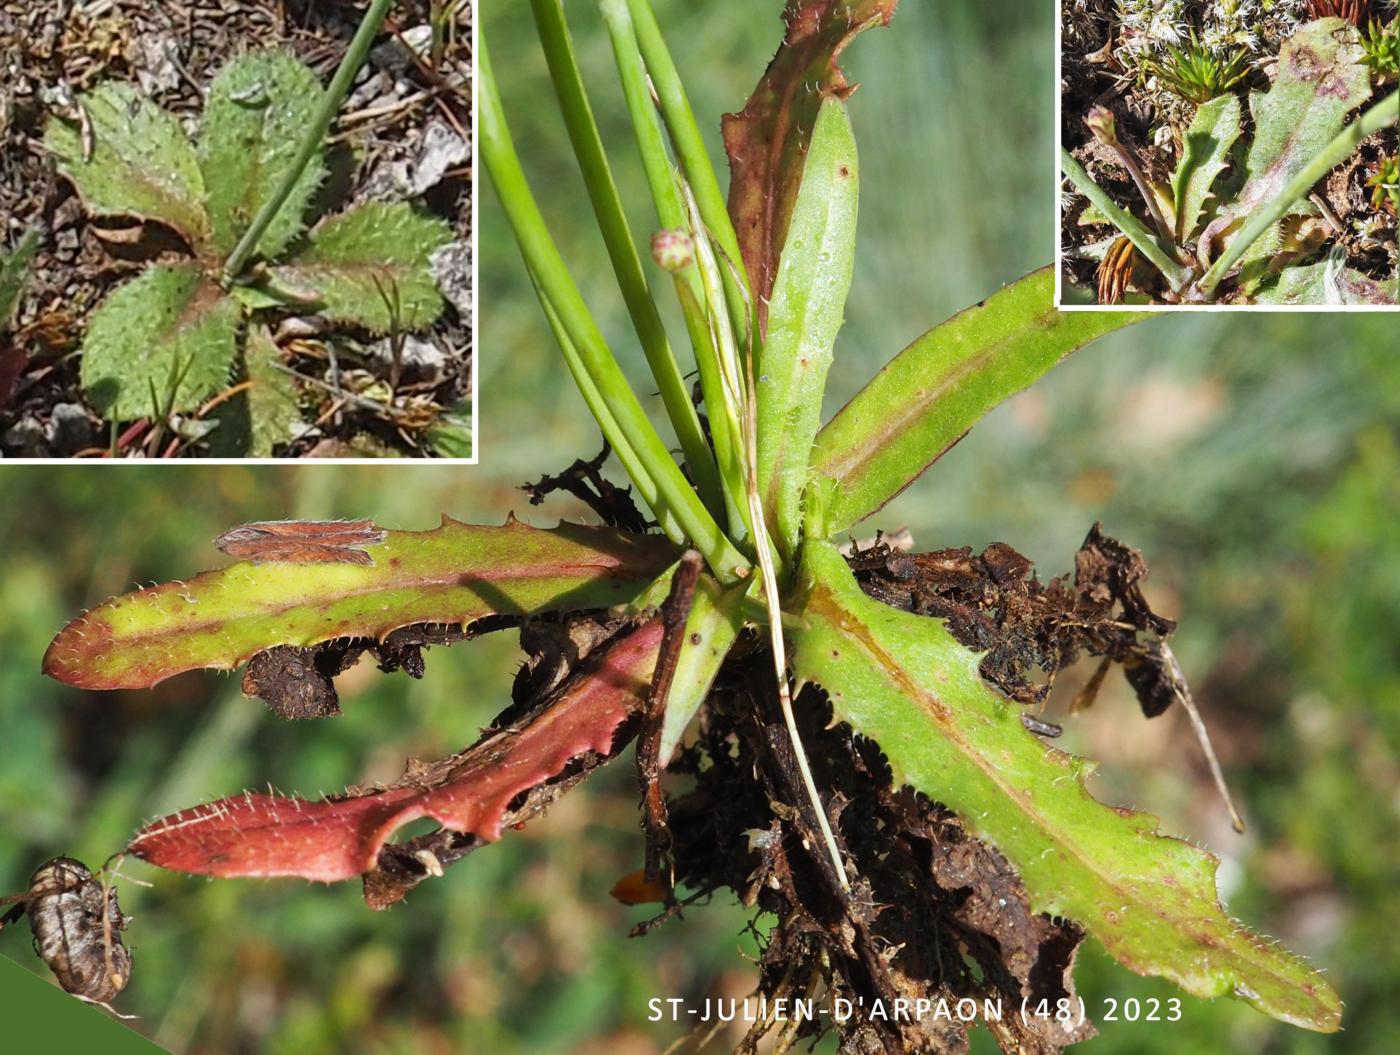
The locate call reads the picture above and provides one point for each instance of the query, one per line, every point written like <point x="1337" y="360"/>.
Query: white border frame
<point x="475" y="458"/>
<point x="1058" y="180"/>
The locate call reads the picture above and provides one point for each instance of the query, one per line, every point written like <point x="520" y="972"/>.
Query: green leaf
<point x="765" y="142"/>
<point x="1204" y="156"/>
<point x="141" y="164"/>
<point x="170" y="324"/>
<point x="357" y="263"/>
<point x="1249" y="226"/>
<point x="904" y="681"/>
<point x="14" y="269"/>
<point x="804" y="315"/>
<point x="1327" y="283"/>
<point x="927" y="397"/>
<point x="453" y="575"/>
<point x="260" y="297"/>
<point x="716" y="617"/>
<point x="450" y="436"/>
<point x="274" y="412"/>
<point x="1321" y="78"/>
<point x="260" y="105"/>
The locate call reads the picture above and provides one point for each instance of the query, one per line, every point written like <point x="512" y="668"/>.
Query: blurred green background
<point x="1255" y="459"/>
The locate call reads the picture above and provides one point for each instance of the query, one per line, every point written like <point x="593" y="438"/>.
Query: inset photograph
<point x="235" y="231"/>
<point x="1229" y="153"/>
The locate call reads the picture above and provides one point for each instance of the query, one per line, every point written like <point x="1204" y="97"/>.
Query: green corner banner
<point x="37" y="1016"/>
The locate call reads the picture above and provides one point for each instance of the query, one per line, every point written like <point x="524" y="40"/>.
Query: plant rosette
<point x="174" y="336"/>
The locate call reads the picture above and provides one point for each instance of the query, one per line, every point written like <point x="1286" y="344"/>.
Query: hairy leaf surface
<point x="340" y="838"/>
<point x="273" y="411"/>
<point x="140" y="163"/>
<point x="454" y="574"/>
<point x="358" y="263"/>
<point x="927" y="397"/>
<point x="804" y="316"/>
<point x="169" y="328"/>
<point x="904" y="681"/>
<point x="259" y="107"/>
<point x="766" y="141"/>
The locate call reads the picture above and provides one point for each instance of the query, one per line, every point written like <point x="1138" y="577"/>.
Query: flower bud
<point x="672" y="250"/>
<point x="1101" y="123"/>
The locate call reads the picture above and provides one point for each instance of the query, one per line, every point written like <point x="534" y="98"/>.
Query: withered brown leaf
<point x="303" y="541"/>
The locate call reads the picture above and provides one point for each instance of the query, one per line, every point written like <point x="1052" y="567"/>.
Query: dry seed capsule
<point x="67" y="907"/>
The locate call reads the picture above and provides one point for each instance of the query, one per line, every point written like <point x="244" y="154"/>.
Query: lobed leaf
<point x="903" y="681"/>
<point x="804" y="316"/>
<point x="928" y="396"/>
<point x="340" y="838"/>
<point x="1204" y="156"/>
<point x="140" y="163"/>
<point x="170" y="328"/>
<point x="369" y="264"/>
<point x="451" y="435"/>
<point x="766" y="141"/>
<point x="274" y="413"/>
<point x="260" y="105"/>
<point x="452" y="575"/>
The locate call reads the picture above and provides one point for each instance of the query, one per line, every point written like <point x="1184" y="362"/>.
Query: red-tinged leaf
<point x="766" y="141"/>
<point x="340" y="838"/>
<point x="453" y="575"/>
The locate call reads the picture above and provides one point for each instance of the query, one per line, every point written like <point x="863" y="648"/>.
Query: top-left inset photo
<point x="236" y="231"/>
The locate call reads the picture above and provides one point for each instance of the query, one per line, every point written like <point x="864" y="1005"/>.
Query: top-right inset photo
<point x="1228" y="154"/>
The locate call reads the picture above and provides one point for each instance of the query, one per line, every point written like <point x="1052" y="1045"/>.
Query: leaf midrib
<point x="890" y="665"/>
<point x="593" y="572"/>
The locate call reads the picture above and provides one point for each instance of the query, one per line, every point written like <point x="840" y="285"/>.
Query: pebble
<point x="28" y="435"/>
<point x="70" y="429"/>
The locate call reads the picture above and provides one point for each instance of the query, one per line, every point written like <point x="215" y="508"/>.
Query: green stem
<point x="1386" y="112"/>
<point x="1176" y="275"/>
<point x="664" y="489"/>
<point x="671" y="215"/>
<point x="632" y="464"/>
<point x="693" y="155"/>
<point x="622" y="250"/>
<point x="311" y="141"/>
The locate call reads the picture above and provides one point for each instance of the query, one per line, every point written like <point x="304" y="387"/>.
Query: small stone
<point x="158" y="68"/>
<point x="70" y="429"/>
<point x="27" y="434"/>
<point x="452" y="268"/>
<point x="396" y="54"/>
<point x="441" y="148"/>
<point x="387" y="181"/>
<point x="420" y="358"/>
